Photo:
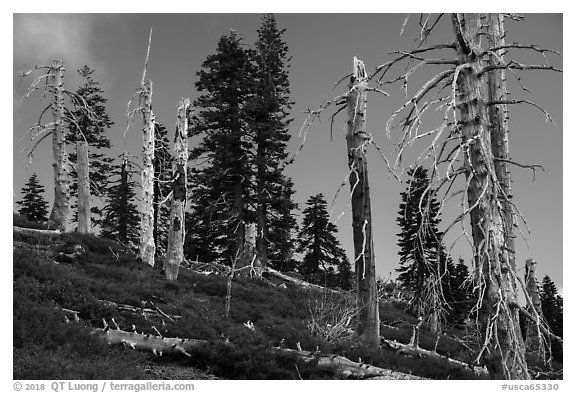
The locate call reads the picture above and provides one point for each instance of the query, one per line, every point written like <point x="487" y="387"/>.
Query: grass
<point x="47" y="347"/>
<point x="24" y="222"/>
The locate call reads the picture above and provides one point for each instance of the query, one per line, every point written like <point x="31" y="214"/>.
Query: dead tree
<point x="147" y="247"/>
<point x="56" y="128"/>
<point x="175" y="251"/>
<point x="472" y="142"/>
<point x="83" y="170"/>
<point x="61" y="206"/>
<point x="249" y="262"/>
<point x="534" y="340"/>
<point x="356" y="138"/>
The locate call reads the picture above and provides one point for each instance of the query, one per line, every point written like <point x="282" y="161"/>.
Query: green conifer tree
<point x="323" y="255"/>
<point x="92" y="122"/>
<point x="222" y="180"/>
<point x="121" y="219"/>
<point x="33" y="206"/>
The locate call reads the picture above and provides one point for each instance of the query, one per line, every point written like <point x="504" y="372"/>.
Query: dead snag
<point x="84" y="221"/>
<point x="357" y="142"/>
<point x="61" y="207"/>
<point x="503" y="350"/>
<point x="176" y="233"/>
<point x="534" y="342"/>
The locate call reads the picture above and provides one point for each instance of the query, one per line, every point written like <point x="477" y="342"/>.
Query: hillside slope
<point x="103" y="281"/>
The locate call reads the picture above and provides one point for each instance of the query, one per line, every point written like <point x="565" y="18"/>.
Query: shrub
<point x="24" y="222"/>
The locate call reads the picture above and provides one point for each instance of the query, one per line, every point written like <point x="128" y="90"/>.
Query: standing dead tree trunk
<point x="57" y="129"/>
<point x="499" y="129"/>
<point x="473" y="90"/>
<point x="250" y="264"/>
<point x="147" y="248"/>
<point x="61" y="207"/>
<point x="175" y="251"/>
<point x="83" y="170"/>
<point x="534" y="342"/>
<point x="356" y="138"/>
<point x="503" y="350"/>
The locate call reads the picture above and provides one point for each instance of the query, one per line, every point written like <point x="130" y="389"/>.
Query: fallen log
<point x="158" y="345"/>
<point x="142" y="310"/>
<point x="411" y="350"/>
<point x="347" y="368"/>
<point x="294" y="280"/>
<point x="32" y="231"/>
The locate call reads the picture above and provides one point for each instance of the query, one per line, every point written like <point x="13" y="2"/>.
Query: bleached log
<point x="410" y="350"/>
<point x="293" y="280"/>
<point x="149" y="343"/>
<point x="347" y="368"/>
<point x="31" y="231"/>
<point x="147" y="312"/>
<point x="71" y="314"/>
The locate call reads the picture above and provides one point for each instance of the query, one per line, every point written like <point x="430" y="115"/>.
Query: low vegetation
<point x="49" y="344"/>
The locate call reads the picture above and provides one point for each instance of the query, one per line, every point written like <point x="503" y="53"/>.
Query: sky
<point x="322" y="47"/>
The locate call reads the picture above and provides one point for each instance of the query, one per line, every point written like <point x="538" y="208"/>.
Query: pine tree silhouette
<point x="33" y="206"/>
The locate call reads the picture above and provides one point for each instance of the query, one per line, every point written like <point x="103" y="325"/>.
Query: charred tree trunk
<point x="83" y="170"/>
<point x="367" y="292"/>
<point x="533" y="331"/>
<point x="59" y="214"/>
<point x="175" y="251"/>
<point x="147" y="247"/>
<point x="503" y="350"/>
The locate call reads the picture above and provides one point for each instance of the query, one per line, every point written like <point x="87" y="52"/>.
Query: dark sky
<point x="322" y="46"/>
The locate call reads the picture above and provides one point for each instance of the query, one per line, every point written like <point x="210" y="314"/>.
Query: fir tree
<point x="33" y="206"/>
<point x="162" y="186"/>
<point x="553" y="311"/>
<point x="419" y="237"/>
<point x="282" y="227"/>
<point x="459" y="292"/>
<point x="323" y="255"/>
<point x="552" y="305"/>
<point x="91" y="123"/>
<point x="268" y="111"/>
<point x="222" y="182"/>
<point x="121" y="219"/>
<point x="423" y="259"/>
<point x="345" y="275"/>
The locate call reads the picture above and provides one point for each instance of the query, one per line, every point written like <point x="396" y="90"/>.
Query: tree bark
<point x="147" y="248"/>
<point x="61" y="207"/>
<point x="367" y="301"/>
<point x="503" y="350"/>
<point x="499" y="129"/>
<point x="176" y="232"/>
<point x="261" y="246"/>
<point x="84" y="222"/>
<point x="249" y="259"/>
